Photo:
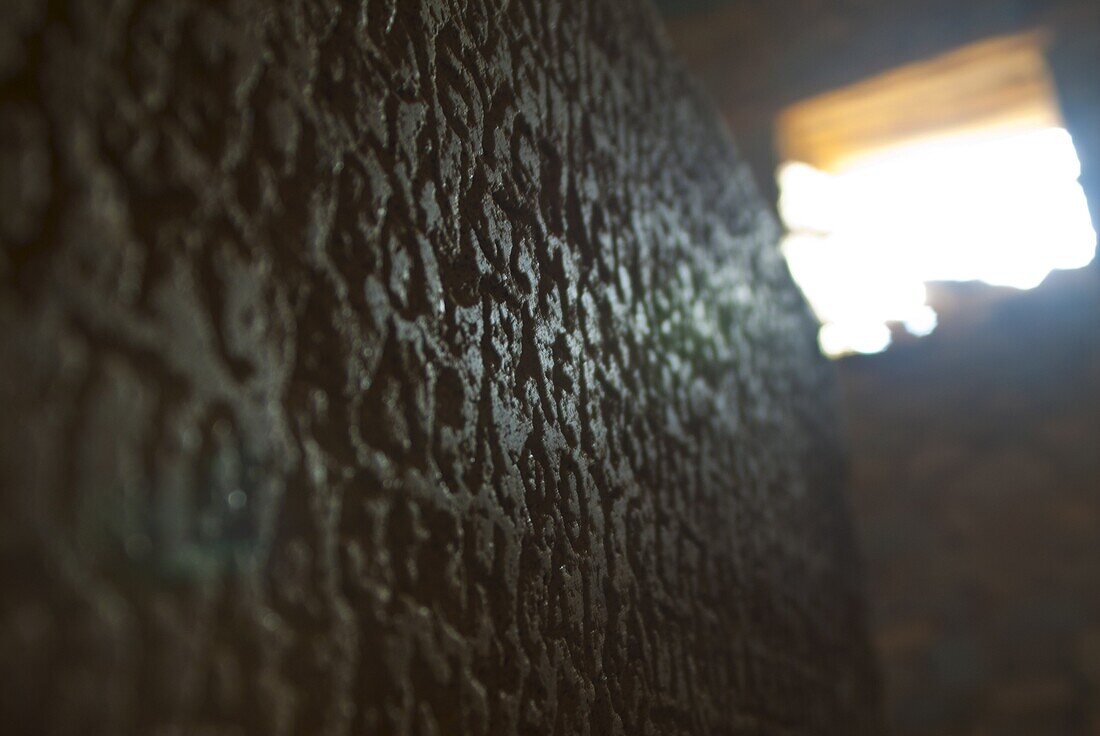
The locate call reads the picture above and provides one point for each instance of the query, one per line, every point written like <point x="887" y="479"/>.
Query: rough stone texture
<point x="401" y="367"/>
<point x="975" y="488"/>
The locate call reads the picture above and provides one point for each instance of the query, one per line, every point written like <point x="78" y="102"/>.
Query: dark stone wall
<point x="401" y="367"/>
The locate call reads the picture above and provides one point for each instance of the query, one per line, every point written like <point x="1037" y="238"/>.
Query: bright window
<point x="987" y="194"/>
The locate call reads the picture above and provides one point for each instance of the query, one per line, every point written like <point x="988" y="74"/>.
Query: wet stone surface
<point x="402" y="367"/>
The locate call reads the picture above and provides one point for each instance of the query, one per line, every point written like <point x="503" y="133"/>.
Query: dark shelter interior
<point x="491" y="367"/>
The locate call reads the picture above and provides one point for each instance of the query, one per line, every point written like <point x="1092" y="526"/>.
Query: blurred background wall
<point x="975" y="477"/>
<point x="975" y="463"/>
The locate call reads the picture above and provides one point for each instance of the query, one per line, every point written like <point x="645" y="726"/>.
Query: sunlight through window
<point x="864" y="241"/>
<point x="999" y="204"/>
